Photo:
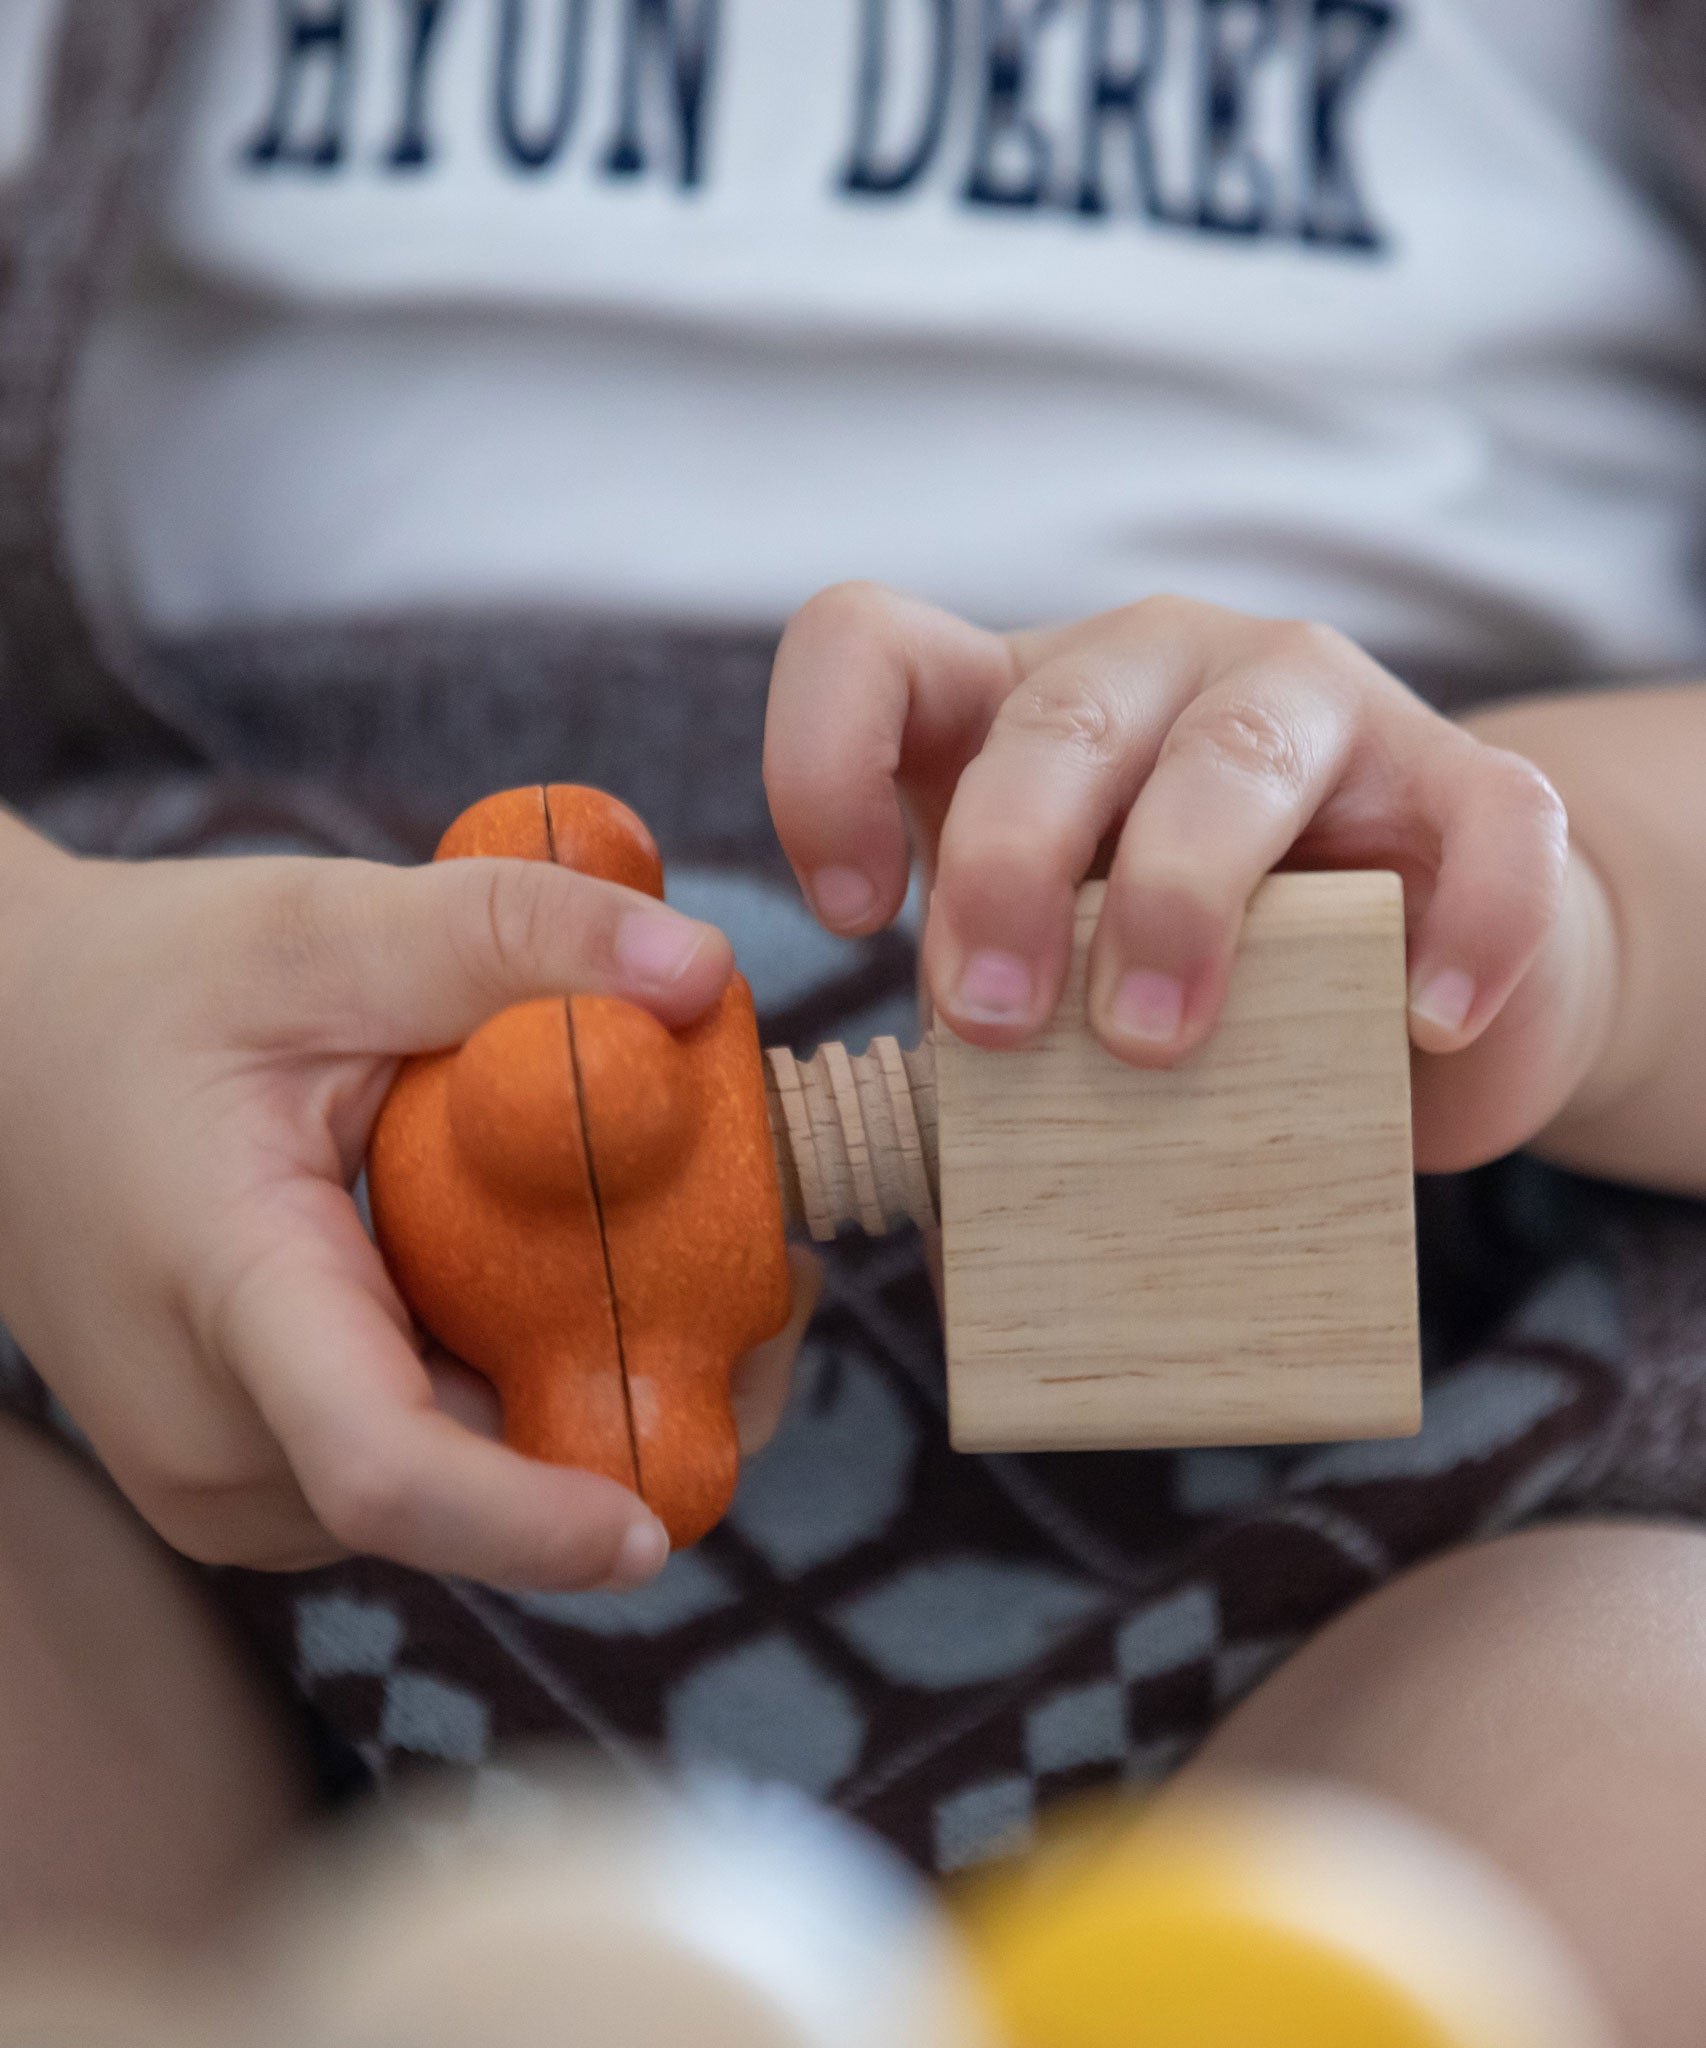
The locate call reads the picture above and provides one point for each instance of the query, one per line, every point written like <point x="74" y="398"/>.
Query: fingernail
<point x="995" y="988"/>
<point x="842" y="896"/>
<point x="1149" y="1007"/>
<point x="643" y="1554"/>
<point x="1444" y="1001"/>
<point x="655" y="948"/>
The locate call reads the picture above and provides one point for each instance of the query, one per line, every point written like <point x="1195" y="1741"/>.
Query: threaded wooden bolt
<point x="855" y="1136"/>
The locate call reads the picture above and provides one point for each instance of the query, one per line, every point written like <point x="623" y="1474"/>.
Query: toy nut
<point x="583" y="1204"/>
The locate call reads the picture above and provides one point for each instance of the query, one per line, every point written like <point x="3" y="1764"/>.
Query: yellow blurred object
<point x="1271" y="1917"/>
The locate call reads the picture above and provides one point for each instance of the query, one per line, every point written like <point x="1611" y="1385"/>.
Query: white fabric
<point x="26" y="33"/>
<point x="1464" y="420"/>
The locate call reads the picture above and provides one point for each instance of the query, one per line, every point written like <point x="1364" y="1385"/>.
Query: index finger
<point x="873" y="695"/>
<point x="315" y="1331"/>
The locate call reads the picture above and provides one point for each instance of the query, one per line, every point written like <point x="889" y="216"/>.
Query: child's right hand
<point x="1188" y="750"/>
<point x="191" y="1058"/>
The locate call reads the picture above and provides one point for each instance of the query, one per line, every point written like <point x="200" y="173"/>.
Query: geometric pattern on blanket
<point x="943" y="1645"/>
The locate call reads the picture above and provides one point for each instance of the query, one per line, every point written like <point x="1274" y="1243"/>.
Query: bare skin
<point x="145" y="1781"/>
<point x="1543" y="1697"/>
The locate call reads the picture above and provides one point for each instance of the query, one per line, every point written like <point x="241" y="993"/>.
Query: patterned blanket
<point x="942" y="1644"/>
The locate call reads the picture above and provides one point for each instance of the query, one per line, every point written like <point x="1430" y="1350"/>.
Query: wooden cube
<point x="1218" y="1255"/>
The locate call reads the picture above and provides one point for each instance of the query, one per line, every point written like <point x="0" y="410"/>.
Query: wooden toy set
<point x="591" y="1209"/>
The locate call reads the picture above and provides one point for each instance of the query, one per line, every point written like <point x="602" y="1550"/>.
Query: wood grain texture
<point x="1223" y="1254"/>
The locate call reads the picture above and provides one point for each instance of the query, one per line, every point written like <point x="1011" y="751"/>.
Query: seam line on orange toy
<point x="597" y="1196"/>
<point x="604" y="1253"/>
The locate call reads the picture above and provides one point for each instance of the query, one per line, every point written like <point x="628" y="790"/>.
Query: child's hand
<point x="191" y="1057"/>
<point x="1190" y="749"/>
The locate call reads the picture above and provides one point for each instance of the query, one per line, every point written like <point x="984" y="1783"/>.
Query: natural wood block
<point x="1222" y="1254"/>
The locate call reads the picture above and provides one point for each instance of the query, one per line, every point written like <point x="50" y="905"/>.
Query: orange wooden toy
<point x="584" y="1205"/>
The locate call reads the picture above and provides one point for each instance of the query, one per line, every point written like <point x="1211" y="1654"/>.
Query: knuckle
<point x="1312" y="644"/>
<point x="1250" y="737"/>
<point x="300" y="954"/>
<point x="1165" y="611"/>
<point x="311" y="911"/>
<point x="290" y="938"/>
<point x="508" y="923"/>
<point x="1067" y="712"/>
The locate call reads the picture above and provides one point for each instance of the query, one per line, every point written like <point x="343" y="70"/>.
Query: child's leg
<point x="1544" y="1697"/>
<point x="143" y="1777"/>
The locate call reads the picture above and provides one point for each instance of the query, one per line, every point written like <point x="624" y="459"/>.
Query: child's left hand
<point x="1192" y="750"/>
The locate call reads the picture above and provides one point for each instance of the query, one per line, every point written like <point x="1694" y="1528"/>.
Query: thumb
<point x="437" y="950"/>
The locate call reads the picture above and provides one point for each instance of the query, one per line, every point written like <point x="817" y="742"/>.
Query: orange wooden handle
<point x="584" y="1205"/>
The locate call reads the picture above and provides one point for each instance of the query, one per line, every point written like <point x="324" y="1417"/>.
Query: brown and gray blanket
<point x="938" y="1644"/>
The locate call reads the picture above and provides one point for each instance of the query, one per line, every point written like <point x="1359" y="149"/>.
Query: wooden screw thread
<point x="855" y="1137"/>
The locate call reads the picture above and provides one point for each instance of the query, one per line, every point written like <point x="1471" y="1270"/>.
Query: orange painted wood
<point x="679" y="1136"/>
<point x="596" y="835"/>
<point x="584" y="1205"/>
<point x="483" y="1206"/>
